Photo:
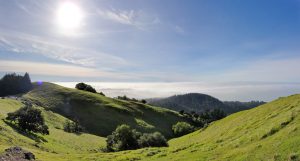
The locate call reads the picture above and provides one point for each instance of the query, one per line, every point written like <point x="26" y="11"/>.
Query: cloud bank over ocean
<point x="239" y="91"/>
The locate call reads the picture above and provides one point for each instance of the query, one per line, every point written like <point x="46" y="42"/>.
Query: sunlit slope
<point x="101" y="115"/>
<point x="268" y="132"/>
<point x="58" y="142"/>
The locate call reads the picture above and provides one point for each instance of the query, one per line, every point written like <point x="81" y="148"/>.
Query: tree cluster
<point x="73" y="127"/>
<point x="182" y="128"/>
<point x="125" y="138"/>
<point x="125" y="98"/>
<point x="88" y="88"/>
<point x="85" y="87"/>
<point x="203" y="118"/>
<point x="29" y="119"/>
<point x="12" y="84"/>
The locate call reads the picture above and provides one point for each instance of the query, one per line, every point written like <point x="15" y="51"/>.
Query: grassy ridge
<point x="268" y="132"/>
<point x="101" y="115"/>
<point x="58" y="142"/>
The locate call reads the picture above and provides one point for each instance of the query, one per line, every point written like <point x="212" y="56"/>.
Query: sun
<point x="69" y="16"/>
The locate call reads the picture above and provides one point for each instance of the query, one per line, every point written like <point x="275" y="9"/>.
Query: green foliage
<point x="72" y="127"/>
<point x="125" y="138"/>
<point x="85" y="87"/>
<point x="182" y="128"/>
<point x="29" y="119"/>
<point x="155" y="139"/>
<point x="12" y="84"/>
<point x="143" y="101"/>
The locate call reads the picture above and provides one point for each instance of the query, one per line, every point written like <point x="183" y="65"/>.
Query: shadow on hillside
<point x="30" y="135"/>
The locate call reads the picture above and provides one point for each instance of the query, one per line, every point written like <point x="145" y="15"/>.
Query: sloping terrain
<point x="268" y="132"/>
<point x="58" y="142"/>
<point x="101" y="115"/>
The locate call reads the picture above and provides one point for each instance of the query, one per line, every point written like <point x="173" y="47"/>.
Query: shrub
<point x="72" y="127"/>
<point x="125" y="138"/>
<point x="181" y="112"/>
<point x="143" y="101"/>
<point x="182" y="128"/>
<point x="85" y="87"/>
<point x="101" y="93"/>
<point x="29" y="119"/>
<point x="155" y="139"/>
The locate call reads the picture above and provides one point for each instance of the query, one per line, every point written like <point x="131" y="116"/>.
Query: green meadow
<point x="268" y="132"/>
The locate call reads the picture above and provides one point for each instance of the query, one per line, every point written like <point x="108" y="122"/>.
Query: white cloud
<point x="241" y="91"/>
<point x="134" y="18"/>
<point x="179" y="29"/>
<point x="28" y="44"/>
<point x="123" y="17"/>
<point x="49" y="69"/>
<point x="279" y="70"/>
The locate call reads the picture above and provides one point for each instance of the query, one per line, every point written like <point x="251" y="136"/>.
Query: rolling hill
<point x="190" y="102"/>
<point x="198" y="102"/>
<point x="58" y="142"/>
<point x="101" y="115"/>
<point x="268" y="132"/>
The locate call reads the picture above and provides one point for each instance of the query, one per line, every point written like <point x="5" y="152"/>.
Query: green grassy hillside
<point x="268" y="132"/>
<point x="101" y="115"/>
<point x="58" y="142"/>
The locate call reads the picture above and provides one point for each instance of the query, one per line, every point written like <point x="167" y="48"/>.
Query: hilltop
<point x="101" y="115"/>
<point x="268" y="132"/>
<point x="198" y="102"/>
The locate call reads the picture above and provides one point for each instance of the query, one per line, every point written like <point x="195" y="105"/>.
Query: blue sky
<point x="154" y="41"/>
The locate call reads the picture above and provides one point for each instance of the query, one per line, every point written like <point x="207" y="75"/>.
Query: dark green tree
<point x="85" y="87"/>
<point x="182" y="128"/>
<point x="29" y="119"/>
<point x="73" y="127"/>
<point x="12" y="84"/>
<point x="123" y="138"/>
<point x="143" y="101"/>
<point x="155" y="139"/>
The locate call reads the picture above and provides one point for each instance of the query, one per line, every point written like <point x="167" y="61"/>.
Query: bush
<point x="101" y="93"/>
<point x="85" y="87"/>
<point x="29" y="119"/>
<point x="143" y="101"/>
<point x="72" y="127"/>
<point x="155" y="139"/>
<point x="125" y="138"/>
<point x="182" y="128"/>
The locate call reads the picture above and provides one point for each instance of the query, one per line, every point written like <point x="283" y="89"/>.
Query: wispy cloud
<point x="123" y="17"/>
<point x="134" y="18"/>
<point x="29" y="44"/>
<point x="179" y="30"/>
<point x="46" y="69"/>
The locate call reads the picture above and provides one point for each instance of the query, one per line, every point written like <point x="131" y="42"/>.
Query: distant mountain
<point x="201" y="102"/>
